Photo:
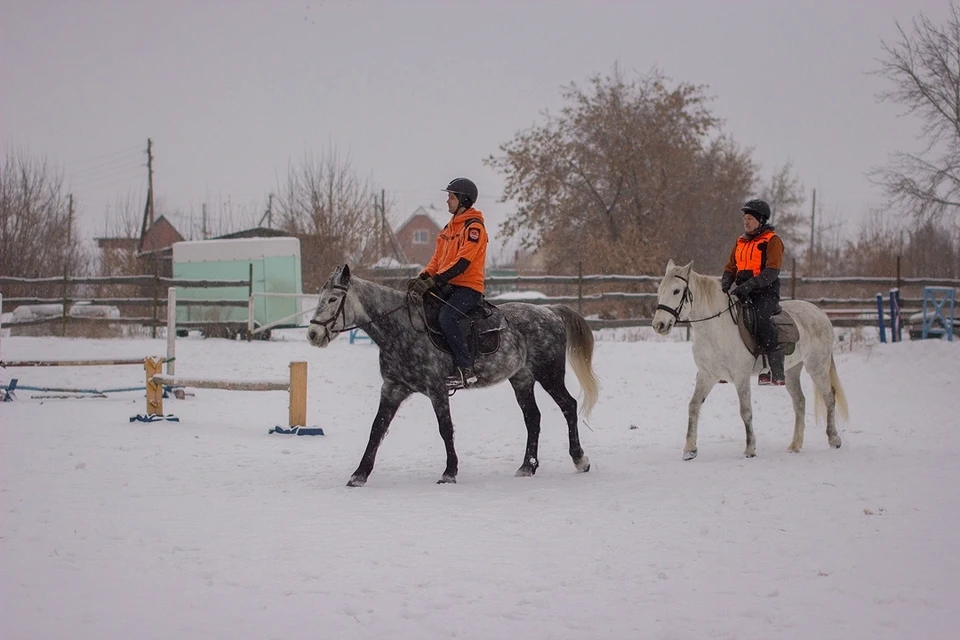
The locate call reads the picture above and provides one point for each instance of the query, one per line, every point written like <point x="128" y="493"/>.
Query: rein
<point x="688" y="297"/>
<point x="328" y="324"/>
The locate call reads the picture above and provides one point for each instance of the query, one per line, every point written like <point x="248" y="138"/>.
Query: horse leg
<point x="522" y="383"/>
<point x="799" y="407"/>
<point x="700" y="392"/>
<point x="825" y="387"/>
<point x="441" y="407"/>
<point x="568" y="407"/>
<point x="391" y="396"/>
<point x="746" y="414"/>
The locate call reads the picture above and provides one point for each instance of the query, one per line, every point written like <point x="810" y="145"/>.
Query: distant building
<point x="417" y="236"/>
<point x="153" y="255"/>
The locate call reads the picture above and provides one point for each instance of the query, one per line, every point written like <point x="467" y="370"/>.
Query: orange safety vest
<point x="463" y="237"/>
<point x="756" y="254"/>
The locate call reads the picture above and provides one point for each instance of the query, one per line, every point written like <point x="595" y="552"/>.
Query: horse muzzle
<point x="318" y="336"/>
<point x="662" y="325"/>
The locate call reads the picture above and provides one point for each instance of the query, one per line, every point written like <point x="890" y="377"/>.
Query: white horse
<point x="687" y="296"/>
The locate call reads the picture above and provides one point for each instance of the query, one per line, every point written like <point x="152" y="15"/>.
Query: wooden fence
<point x="609" y="300"/>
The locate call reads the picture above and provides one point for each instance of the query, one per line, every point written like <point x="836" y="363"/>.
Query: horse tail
<point x="580" y="354"/>
<point x="840" y="398"/>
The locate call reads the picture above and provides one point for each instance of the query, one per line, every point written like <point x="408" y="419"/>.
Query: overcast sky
<point x="417" y="92"/>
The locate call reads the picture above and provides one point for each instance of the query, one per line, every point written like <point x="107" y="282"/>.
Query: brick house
<point x="417" y="236"/>
<point x="129" y="255"/>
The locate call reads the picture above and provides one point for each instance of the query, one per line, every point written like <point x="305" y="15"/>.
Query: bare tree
<point x="924" y="68"/>
<point x="121" y="231"/>
<point x="331" y="209"/>
<point x="37" y="235"/>
<point x="629" y="174"/>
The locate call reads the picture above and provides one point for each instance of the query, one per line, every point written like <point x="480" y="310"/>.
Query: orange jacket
<point x="756" y="254"/>
<point x="461" y="240"/>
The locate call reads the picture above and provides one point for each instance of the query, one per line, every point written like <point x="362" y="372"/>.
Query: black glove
<point x="744" y="290"/>
<point x="726" y="281"/>
<point x="419" y="286"/>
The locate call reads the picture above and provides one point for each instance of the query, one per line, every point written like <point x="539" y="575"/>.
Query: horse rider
<point x="455" y="273"/>
<point x="752" y="275"/>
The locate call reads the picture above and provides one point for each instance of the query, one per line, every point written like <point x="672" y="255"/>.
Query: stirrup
<point x="764" y="379"/>
<point x="462" y="379"/>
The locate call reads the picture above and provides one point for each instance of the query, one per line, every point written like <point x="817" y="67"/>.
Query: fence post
<point x="156" y="303"/>
<point x="895" y="315"/>
<point x="883" y="331"/>
<point x="251" y="305"/>
<point x="63" y="319"/>
<point x="298" y="394"/>
<point x="580" y="287"/>
<point x="154" y="389"/>
<point x="793" y="279"/>
<point x="171" y="329"/>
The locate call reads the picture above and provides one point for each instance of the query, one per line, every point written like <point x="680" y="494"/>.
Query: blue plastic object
<point x="154" y="417"/>
<point x="936" y="308"/>
<point x="298" y="431"/>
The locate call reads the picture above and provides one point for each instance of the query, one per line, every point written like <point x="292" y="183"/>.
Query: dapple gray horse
<point x="687" y="296"/>
<point x="533" y="348"/>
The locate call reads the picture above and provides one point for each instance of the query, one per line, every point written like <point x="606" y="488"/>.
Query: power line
<point x="128" y="151"/>
<point x="117" y="163"/>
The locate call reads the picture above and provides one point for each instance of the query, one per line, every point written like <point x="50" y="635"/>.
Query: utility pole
<point x="148" y="207"/>
<point x="203" y="220"/>
<point x="69" y="223"/>
<point x="150" y="178"/>
<point x="813" y="213"/>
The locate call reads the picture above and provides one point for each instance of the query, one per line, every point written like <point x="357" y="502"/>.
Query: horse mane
<point x="707" y="289"/>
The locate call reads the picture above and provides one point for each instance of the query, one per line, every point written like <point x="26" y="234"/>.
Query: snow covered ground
<point x="211" y="528"/>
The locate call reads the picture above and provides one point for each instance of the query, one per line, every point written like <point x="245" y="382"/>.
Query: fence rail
<point x="844" y="311"/>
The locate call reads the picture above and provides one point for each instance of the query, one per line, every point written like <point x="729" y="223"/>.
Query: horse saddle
<point x="481" y="326"/>
<point x="787" y="333"/>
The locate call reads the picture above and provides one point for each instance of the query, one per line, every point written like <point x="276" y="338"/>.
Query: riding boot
<point x="775" y="358"/>
<point x="461" y="379"/>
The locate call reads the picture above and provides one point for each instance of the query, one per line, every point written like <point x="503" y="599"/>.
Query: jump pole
<point x="72" y="363"/>
<point x="296" y="386"/>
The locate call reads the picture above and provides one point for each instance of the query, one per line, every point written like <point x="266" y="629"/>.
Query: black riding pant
<point x="458" y="304"/>
<point x="765" y="302"/>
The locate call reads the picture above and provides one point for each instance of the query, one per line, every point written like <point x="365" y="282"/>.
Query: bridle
<point x="328" y="324"/>
<point x="688" y="297"/>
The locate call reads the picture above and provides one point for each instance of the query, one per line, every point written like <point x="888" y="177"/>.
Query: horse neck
<point x="376" y="308"/>
<point x="709" y="300"/>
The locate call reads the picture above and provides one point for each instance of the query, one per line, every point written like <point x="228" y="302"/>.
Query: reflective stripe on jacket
<point x="463" y="237"/>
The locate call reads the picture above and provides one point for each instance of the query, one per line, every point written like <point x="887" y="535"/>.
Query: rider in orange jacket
<point x="752" y="274"/>
<point x="455" y="273"/>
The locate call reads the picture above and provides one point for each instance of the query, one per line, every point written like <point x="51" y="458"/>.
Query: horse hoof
<point x="447" y="479"/>
<point x="749" y="455"/>
<point x="356" y="481"/>
<point x="583" y="465"/>
<point x="525" y="472"/>
<point x="689" y="455"/>
<point x="837" y="444"/>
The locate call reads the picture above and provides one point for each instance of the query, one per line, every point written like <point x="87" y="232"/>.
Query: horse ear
<point x="345" y="274"/>
<point x="686" y="269"/>
<point x="670" y="264"/>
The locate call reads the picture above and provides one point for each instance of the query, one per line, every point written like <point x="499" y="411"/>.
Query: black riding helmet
<point x="758" y="209"/>
<point x="465" y="190"/>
